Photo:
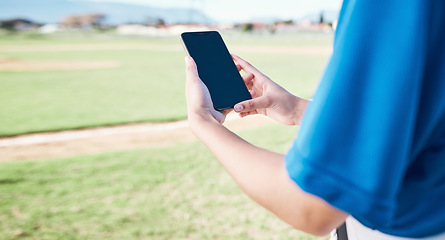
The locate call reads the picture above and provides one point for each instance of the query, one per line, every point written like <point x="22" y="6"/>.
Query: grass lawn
<point x="177" y="192"/>
<point x="148" y="85"/>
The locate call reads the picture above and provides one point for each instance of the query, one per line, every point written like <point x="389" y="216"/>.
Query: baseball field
<point x="125" y="187"/>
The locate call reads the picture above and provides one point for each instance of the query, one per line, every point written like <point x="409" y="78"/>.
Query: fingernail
<point x="238" y="107"/>
<point x="186" y="59"/>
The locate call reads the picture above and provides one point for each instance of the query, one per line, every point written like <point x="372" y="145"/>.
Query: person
<point x="371" y="147"/>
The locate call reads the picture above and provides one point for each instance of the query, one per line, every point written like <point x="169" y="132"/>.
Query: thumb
<point x="253" y="104"/>
<point x="191" y="71"/>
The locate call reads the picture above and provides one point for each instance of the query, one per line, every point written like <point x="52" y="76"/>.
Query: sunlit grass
<point x="177" y="192"/>
<point x="147" y="86"/>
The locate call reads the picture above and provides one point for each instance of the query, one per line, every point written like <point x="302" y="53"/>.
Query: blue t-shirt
<point x="372" y="142"/>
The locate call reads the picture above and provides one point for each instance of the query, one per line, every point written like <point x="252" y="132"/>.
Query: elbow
<point x="318" y="223"/>
<point x="316" y="228"/>
<point x="319" y="231"/>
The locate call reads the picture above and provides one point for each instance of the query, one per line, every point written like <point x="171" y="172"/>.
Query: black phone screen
<point x="216" y="68"/>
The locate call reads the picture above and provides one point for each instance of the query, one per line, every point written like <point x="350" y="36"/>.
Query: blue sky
<point x="239" y="10"/>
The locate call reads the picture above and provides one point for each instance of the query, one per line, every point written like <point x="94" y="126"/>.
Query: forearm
<point x="246" y="163"/>
<point x="262" y="175"/>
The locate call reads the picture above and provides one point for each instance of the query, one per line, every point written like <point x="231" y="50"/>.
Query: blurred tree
<point x="288" y="22"/>
<point x="91" y="20"/>
<point x="155" y="21"/>
<point x="321" y="17"/>
<point x="94" y="20"/>
<point x="160" y="22"/>
<point x="16" y="24"/>
<point x="247" y="27"/>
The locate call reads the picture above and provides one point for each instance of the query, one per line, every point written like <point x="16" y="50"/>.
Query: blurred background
<point x="93" y="138"/>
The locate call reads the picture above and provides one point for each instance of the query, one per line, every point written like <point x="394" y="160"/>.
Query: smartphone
<point x="216" y="68"/>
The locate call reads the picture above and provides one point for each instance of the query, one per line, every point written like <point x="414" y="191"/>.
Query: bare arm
<point x="259" y="172"/>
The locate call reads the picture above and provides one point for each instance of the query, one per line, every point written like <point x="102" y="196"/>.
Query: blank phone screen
<point x="216" y="68"/>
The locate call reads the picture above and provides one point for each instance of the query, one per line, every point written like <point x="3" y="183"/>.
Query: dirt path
<point x="96" y="140"/>
<point x="71" y="143"/>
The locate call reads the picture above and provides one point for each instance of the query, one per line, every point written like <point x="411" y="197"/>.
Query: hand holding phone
<point x="216" y="68"/>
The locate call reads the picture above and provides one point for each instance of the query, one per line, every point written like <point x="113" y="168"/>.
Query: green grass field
<point x="147" y="86"/>
<point x="178" y="192"/>
<point x="174" y="192"/>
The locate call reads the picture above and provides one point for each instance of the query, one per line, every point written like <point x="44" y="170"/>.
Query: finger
<point x="253" y="104"/>
<point x="254" y="94"/>
<point x="225" y="112"/>
<point x="258" y="91"/>
<point x="242" y="114"/>
<point x="246" y="66"/>
<point x="238" y="67"/>
<point x="248" y="80"/>
<point x="245" y="114"/>
<point x="191" y="71"/>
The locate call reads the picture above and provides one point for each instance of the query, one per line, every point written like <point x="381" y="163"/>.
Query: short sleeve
<point x="355" y="140"/>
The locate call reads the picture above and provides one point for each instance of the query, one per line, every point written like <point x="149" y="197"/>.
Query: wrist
<point x="200" y="121"/>
<point x="300" y="108"/>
